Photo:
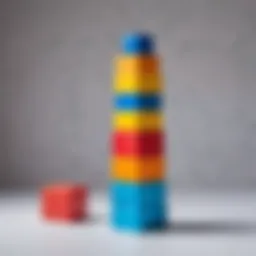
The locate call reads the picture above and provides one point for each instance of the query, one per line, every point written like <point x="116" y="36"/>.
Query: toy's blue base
<point x="138" y="207"/>
<point x="123" y="194"/>
<point x="139" y="228"/>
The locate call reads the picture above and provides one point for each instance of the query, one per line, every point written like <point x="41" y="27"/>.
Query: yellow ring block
<point x="137" y="64"/>
<point x="137" y="74"/>
<point x="139" y="121"/>
<point x="143" y="83"/>
<point x="143" y="169"/>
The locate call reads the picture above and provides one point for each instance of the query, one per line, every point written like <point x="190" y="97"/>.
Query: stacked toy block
<point x="137" y="162"/>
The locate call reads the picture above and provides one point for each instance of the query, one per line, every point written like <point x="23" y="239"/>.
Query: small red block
<point x="67" y="202"/>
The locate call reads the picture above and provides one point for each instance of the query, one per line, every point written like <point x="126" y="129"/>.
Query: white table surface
<point x="203" y="224"/>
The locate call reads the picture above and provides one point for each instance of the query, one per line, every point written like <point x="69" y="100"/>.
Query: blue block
<point x="138" y="206"/>
<point x="139" y="218"/>
<point x="127" y="102"/>
<point x="149" y="192"/>
<point x="138" y="43"/>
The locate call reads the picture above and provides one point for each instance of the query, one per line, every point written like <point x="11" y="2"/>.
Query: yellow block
<point x="142" y="83"/>
<point x="138" y="121"/>
<point x="137" y="64"/>
<point x="137" y="169"/>
<point x="137" y="74"/>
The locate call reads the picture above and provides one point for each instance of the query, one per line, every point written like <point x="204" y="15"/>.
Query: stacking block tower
<point x="137" y="160"/>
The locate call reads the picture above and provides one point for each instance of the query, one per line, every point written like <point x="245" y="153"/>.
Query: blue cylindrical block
<point x="137" y="102"/>
<point x="138" y="43"/>
<point x="138" y="206"/>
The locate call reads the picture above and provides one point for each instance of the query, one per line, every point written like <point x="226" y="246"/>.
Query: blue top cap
<point x="138" y="43"/>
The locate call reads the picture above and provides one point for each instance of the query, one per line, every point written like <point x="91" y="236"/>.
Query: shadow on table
<point x="210" y="227"/>
<point x="191" y="227"/>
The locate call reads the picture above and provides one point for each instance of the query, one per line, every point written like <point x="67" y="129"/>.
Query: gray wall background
<point x="56" y="88"/>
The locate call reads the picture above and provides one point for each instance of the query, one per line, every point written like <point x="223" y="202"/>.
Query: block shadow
<point x="209" y="227"/>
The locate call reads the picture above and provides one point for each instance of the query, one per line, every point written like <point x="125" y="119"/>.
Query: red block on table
<point x="138" y="143"/>
<point x="64" y="202"/>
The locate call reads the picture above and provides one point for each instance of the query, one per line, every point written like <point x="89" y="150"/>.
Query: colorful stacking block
<point x="137" y="164"/>
<point x="137" y="83"/>
<point x="138" y="206"/>
<point x="128" y="102"/>
<point x="137" y="121"/>
<point x="139" y="218"/>
<point x="138" y="143"/>
<point x="136" y="65"/>
<point x="138" y="43"/>
<point x="129" y="193"/>
<point x="138" y="169"/>
<point x="64" y="202"/>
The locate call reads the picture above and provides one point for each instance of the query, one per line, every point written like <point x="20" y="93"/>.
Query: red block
<point x="66" y="202"/>
<point x="138" y="143"/>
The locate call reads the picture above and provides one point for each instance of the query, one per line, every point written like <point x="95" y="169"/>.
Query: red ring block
<point x="138" y="143"/>
<point x="67" y="202"/>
